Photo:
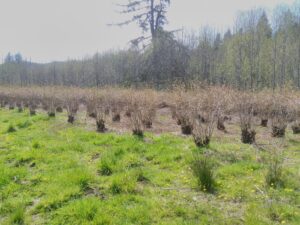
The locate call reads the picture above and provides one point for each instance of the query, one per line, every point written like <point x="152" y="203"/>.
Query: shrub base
<point x="186" y="129"/>
<point x="101" y="126"/>
<point x="278" y="131"/>
<point x="296" y="128"/>
<point x="71" y="119"/>
<point x="264" y="122"/>
<point x="248" y="136"/>
<point x="201" y="142"/>
<point x="116" y="117"/>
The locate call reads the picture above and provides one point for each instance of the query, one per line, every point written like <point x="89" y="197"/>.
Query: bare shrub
<point x="71" y="102"/>
<point x="220" y="123"/>
<point x="224" y="97"/>
<point x="246" y="108"/>
<point x="186" y="125"/>
<point x="59" y="109"/>
<point x="127" y="111"/>
<point x="116" y="105"/>
<point x="264" y="122"/>
<point x="202" y="133"/>
<point x="49" y="104"/>
<point x="116" y="116"/>
<point x="142" y="110"/>
<point x="100" y="122"/>
<point x="32" y="100"/>
<point x="296" y="127"/>
<point x="19" y="105"/>
<point x="90" y="103"/>
<point x="296" y="123"/>
<point x="181" y="111"/>
<point x="135" y="110"/>
<point x="148" y="113"/>
<point x="11" y="105"/>
<point x="3" y="98"/>
<point x="197" y="111"/>
<point x="136" y="119"/>
<point x="2" y="103"/>
<point x="281" y="114"/>
<point x="205" y="113"/>
<point x="100" y="109"/>
<point x="136" y="122"/>
<point x="91" y="110"/>
<point x="32" y="109"/>
<point x="148" y="109"/>
<point x="263" y="107"/>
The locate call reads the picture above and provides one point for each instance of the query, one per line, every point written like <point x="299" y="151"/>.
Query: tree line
<point x="259" y="51"/>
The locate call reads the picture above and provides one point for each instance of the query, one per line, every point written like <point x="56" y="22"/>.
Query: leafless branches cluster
<point x="246" y="106"/>
<point x="283" y="111"/>
<point x="198" y="111"/>
<point x="141" y="109"/>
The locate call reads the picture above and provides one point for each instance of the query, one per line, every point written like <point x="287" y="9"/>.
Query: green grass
<point x="52" y="172"/>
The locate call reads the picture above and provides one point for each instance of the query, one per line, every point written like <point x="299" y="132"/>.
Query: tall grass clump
<point x="274" y="176"/>
<point x="203" y="169"/>
<point x="123" y="184"/>
<point x="18" y="216"/>
<point x="105" y="168"/>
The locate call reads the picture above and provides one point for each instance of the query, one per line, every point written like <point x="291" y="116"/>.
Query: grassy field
<point x="52" y="172"/>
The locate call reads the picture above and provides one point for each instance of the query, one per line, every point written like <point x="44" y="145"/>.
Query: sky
<point x="56" y="30"/>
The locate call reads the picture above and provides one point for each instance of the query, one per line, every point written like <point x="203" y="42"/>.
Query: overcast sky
<point x="47" y="30"/>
